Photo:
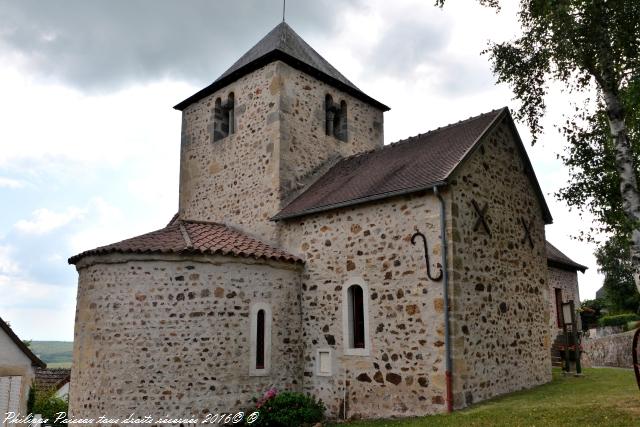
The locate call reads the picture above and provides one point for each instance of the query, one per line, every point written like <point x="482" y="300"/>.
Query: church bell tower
<point x="265" y="129"/>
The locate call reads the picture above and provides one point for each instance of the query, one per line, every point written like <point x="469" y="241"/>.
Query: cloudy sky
<point x="89" y="142"/>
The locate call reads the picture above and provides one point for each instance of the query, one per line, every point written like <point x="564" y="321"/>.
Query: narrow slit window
<point x="357" y="316"/>
<point x="260" y="329"/>
<point x="340" y="125"/>
<point x="260" y="321"/>
<point x="335" y="118"/>
<point x="224" y="118"/>
<point x="330" y="113"/>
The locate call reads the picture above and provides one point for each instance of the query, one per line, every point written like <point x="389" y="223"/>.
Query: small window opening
<point x="356" y="317"/>
<point x="224" y="118"/>
<point x="335" y="119"/>
<point x="260" y="340"/>
<point x="558" y="292"/>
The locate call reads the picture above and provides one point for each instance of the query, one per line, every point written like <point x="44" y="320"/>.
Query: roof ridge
<point x="185" y="236"/>
<point x="445" y="127"/>
<point x="35" y="360"/>
<point x="420" y="135"/>
<point x="199" y="221"/>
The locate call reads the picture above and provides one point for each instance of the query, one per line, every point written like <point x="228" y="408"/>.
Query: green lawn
<point x="602" y="397"/>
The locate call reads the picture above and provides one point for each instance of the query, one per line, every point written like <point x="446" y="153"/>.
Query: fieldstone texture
<point x="371" y="245"/>
<point x="612" y="350"/>
<point x="171" y="334"/>
<point x="499" y="282"/>
<point x="567" y="282"/>
<point x="279" y="145"/>
<point x="159" y="335"/>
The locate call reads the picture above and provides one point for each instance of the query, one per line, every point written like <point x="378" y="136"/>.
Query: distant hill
<point x="56" y="354"/>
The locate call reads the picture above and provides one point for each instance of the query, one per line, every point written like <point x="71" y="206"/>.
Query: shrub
<point x="634" y="324"/>
<point x="47" y="404"/>
<point x="288" y="409"/>
<point x="590" y="312"/>
<point x="618" y="320"/>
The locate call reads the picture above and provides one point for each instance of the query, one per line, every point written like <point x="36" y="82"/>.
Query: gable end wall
<point x="499" y="283"/>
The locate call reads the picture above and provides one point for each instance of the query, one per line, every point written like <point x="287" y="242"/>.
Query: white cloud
<point x="44" y="220"/>
<point x="11" y="183"/>
<point x="37" y="310"/>
<point x="7" y="264"/>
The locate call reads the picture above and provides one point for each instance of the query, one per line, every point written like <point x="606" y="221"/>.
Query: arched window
<point x="260" y="339"/>
<point x="335" y="118"/>
<point x="355" y="318"/>
<point x="224" y="118"/>
<point x="340" y="122"/>
<point x="329" y="111"/>
<point x="231" y="119"/>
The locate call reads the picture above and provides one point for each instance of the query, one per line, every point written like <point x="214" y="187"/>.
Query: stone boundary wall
<point x="612" y="350"/>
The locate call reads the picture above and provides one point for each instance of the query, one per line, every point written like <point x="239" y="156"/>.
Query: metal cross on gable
<point x="527" y="231"/>
<point x="482" y="217"/>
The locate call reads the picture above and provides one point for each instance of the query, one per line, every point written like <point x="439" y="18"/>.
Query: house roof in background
<point x="35" y="360"/>
<point x="52" y="378"/>
<point x="414" y="164"/>
<point x="555" y="258"/>
<point x="194" y="237"/>
<point x="283" y="44"/>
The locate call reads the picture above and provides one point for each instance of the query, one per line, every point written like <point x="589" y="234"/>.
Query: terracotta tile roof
<point x="555" y="258"/>
<point x="52" y="378"/>
<point x="407" y="166"/>
<point x="193" y="237"/>
<point x="35" y="360"/>
<point x="283" y="44"/>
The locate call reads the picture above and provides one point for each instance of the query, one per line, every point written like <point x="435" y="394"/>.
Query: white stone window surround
<point x="347" y="318"/>
<point x="324" y="362"/>
<point x="253" y="318"/>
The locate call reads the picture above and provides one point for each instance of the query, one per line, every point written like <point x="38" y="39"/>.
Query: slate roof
<point x="283" y="44"/>
<point x="555" y="258"/>
<point x="35" y="360"/>
<point x="52" y="378"/>
<point x="407" y="166"/>
<point x="193" y="237"/>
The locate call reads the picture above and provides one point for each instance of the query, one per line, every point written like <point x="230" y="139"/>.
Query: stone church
<point x="387" y="280"/>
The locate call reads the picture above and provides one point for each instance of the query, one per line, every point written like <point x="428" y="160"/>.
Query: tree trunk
<point x="627" y="172"/>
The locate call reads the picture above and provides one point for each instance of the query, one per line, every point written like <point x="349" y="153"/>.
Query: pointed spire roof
<point x="283" y="44"/>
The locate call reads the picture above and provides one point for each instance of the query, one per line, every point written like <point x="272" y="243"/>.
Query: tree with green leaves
<point x="588" y="46"/>
<point x="614" y="261"/>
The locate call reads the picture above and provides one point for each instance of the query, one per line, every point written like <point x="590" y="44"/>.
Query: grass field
<point x="56" y="354"/>
<point x="602" y="397"/>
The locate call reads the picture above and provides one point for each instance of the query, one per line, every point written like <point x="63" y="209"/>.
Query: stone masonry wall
<point x="234" y="180"/>
<point x="305" y="147"/>
<point x="279" y="145"/>
<point x="567" y="281"/>
<point x="370" y="244"/>
<point x="171" y="335"/>
<point x="612" y="350"/>
<point x="499" y="283"/>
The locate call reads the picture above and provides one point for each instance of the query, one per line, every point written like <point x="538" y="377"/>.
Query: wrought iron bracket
<point x="426" y="256"/>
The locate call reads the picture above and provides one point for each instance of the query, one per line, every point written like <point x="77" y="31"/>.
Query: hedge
<point x="618" y="320"/>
